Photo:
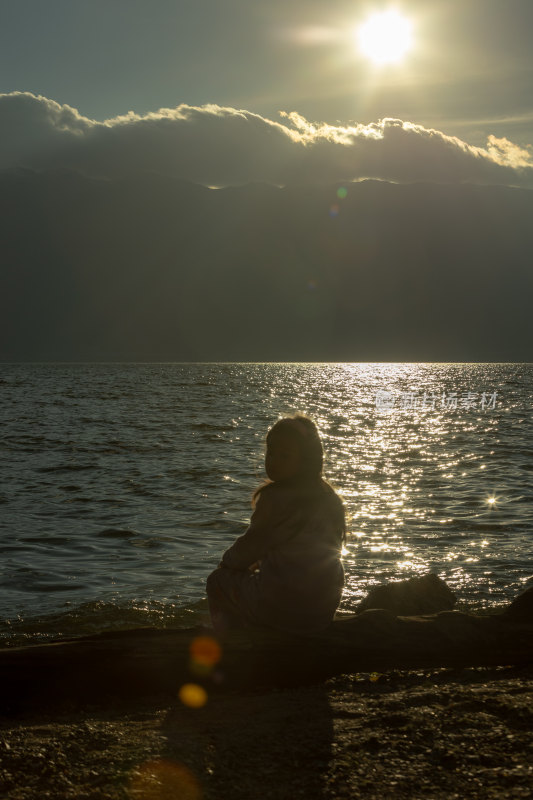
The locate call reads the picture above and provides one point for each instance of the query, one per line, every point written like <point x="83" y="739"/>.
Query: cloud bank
<point x="218" y="146"/>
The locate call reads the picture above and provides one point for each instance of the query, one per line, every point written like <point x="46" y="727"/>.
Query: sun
<point x="386" y="37"/>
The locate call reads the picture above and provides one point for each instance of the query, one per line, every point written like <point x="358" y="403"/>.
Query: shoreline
<point x="440" y="733"/>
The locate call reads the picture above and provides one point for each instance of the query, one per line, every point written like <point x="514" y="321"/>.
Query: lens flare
<point x="164" y="780"/>
<point x="205" y="650"/>
<point x="205" y="653"/>
<point x="193" y="695"/>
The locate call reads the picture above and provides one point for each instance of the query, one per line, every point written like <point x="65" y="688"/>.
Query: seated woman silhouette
<point x="285" y="571"/>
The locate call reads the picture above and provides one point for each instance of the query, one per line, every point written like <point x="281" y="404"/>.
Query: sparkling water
<point x="121" y="484"/>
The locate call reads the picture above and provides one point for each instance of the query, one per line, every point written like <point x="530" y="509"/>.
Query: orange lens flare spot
<point x="193" y="695"/>
<point x="164" y="780"/>
<point x="205" y="650"/>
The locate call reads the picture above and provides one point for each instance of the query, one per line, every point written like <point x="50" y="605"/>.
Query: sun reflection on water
<point x="410" y="480"/>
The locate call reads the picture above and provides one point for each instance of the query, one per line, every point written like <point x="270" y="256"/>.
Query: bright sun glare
<point x="385" y="37"/>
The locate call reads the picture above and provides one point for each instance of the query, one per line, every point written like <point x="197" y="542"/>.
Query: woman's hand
<point x="255" y="566"/>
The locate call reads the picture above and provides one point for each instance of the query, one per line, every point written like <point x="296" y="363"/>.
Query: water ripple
<point x="122" y="484"/>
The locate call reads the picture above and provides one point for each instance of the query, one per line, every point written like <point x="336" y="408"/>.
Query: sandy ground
<point x="434" y="734"/>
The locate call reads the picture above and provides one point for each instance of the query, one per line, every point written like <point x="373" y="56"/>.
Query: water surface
<point x="122" y="484"/>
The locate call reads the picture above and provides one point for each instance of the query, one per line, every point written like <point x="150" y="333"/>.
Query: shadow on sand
<point x="274" y="744"/>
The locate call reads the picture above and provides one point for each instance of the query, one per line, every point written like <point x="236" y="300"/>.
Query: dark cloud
<point x="219" y="146"/>
<point x="112" y="248"/>
<point x="153" y="268"/>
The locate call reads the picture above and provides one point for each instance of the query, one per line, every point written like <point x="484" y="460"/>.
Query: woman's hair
<point x="309" y="480"/>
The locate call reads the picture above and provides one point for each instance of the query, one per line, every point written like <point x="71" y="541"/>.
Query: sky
<point x="469" y="74"/>
<point x="224" y="93"/>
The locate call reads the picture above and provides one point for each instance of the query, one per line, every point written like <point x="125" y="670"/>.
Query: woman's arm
<point x="254" y="542"/>
<point x="275" y="518"/>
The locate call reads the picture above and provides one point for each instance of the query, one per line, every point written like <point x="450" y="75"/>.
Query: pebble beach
<point x="438" y="734"/>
